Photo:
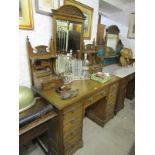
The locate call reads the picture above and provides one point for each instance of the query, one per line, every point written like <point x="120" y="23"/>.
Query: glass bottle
<point x="85" y="68"/>
<point x="68" y="70"/>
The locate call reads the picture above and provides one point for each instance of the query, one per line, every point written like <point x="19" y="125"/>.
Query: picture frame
<point x="88" y="13"/>
<point x="131" y="30"/>
<point x="45" y="7"/>
<point x="25" y="15"/>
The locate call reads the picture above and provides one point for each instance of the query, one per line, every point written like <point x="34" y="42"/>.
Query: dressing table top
<point x="86" y="89"/>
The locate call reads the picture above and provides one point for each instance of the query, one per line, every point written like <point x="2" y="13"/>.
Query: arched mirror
<point x="112" y="37"/>
<point x="68" y="23"/>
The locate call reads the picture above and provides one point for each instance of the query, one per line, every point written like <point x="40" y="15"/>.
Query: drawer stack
<point x="112" y="97"/>
<point x="103" y="104"/>
<point x="72" y="128"/>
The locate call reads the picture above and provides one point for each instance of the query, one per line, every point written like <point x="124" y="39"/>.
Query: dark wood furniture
<point x="130" y="92"/>
<point x="46" y="123"/>
<point x="126" y="90"/>
<point x="71" y="111"/>
<point x="103" y="110"/>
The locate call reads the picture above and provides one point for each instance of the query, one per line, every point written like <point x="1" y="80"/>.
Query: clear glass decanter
<point x="85" y="68"/>
<point x="68" y="70"/>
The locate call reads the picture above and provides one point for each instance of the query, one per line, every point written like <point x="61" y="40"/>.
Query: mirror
<point x="112" y="41"/>
<point x="67" y="36"/>
<point x="112" y="37"/>
<point x="68" y="25"/>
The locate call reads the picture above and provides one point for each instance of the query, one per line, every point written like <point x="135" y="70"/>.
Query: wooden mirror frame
<point x="112" y="32"/>
<point x="69" y="13"/>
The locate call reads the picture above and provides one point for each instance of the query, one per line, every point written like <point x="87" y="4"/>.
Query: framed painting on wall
<point x="88" y="13"/>
<point x="25" y="15"/>
<point x="45" y="6"/>
<point x="131" y="31"/>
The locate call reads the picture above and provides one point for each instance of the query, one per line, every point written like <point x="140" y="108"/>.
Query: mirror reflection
<point x="68" y="36"/>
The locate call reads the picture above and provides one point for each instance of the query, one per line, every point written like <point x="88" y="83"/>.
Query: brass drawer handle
<point x="103" y="93"/>
<point x="72" y="110"/>
<point x="72" y="146"/>
<point x="72" y="133"/>
<point x="90" y="99"/>
<point x="72" y="121"/>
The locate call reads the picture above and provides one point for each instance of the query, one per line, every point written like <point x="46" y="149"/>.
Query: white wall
<point x="41" y="35"/>
<point x="129" y="43"/>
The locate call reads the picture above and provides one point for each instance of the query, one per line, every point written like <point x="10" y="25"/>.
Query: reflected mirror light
<point x="68" y="36"/>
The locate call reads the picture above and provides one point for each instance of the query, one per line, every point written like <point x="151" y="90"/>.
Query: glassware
<point x="77" y="68"/>
<point x="68" y="77"/>
<point x="85" y="68"/>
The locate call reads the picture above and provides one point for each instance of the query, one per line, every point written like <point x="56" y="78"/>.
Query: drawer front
<point x="73" y="108"/>
<point x="112" y="94"/>
<point x="113" y="88"/>
<point x="73" y="123"/>
<point x="72" y="144"/>
<point x="96" y="97"/>
<point x="74" y="114"/>
<point x="76" y="132"/>
<point x="72" y="117"/>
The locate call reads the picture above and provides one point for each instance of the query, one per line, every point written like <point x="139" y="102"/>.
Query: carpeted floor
<point x="115" y="138"/>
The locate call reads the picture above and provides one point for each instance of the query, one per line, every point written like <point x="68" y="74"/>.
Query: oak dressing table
<point x="95" y="99"/>
<point x="71" y="111"/>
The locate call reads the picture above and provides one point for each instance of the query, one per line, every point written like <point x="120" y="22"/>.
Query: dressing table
<point x="95" y="100"/>
<point x="71" y="111"/>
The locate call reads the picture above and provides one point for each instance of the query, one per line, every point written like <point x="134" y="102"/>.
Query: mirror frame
<point x="112" y="32"/>
<point x="69" y="13"/>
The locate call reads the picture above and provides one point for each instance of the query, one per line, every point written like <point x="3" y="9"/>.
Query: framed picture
<point x="25" y="15"/>
<point x="88" y="13"/>
<point x="45" y="6"/>
<point x="131" y="31"/>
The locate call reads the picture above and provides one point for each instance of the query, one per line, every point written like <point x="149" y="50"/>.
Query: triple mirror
<point x="68" y="23"/>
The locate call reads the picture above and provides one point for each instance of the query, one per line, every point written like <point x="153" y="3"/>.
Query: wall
<point x="41" y="35"/>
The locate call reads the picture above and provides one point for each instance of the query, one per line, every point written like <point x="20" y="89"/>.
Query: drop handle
<point x="73" y="133"/>
<point x="103" y="93"/>
<point x="72" y="121"/>
<point x="90" y="99"/>
<point x="72" y="110"/>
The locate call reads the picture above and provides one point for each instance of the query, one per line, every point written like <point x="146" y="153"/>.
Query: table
<point x="71" y="112"/>
<point x="37" y="127"/>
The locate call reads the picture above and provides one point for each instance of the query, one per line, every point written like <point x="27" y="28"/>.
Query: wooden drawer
<point x="111" y="100"/>
<point x="72" y="144"/>
<point x="96" y="97"/>
<point x="73" y="108"/>
<point x="112" y="94"/>
<point x="72" y="133"/>
<point x="73" y="123"/>
<point x="113" y="88"/>
<point x="73" y="114"/>
<point x="72" y="117"/>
